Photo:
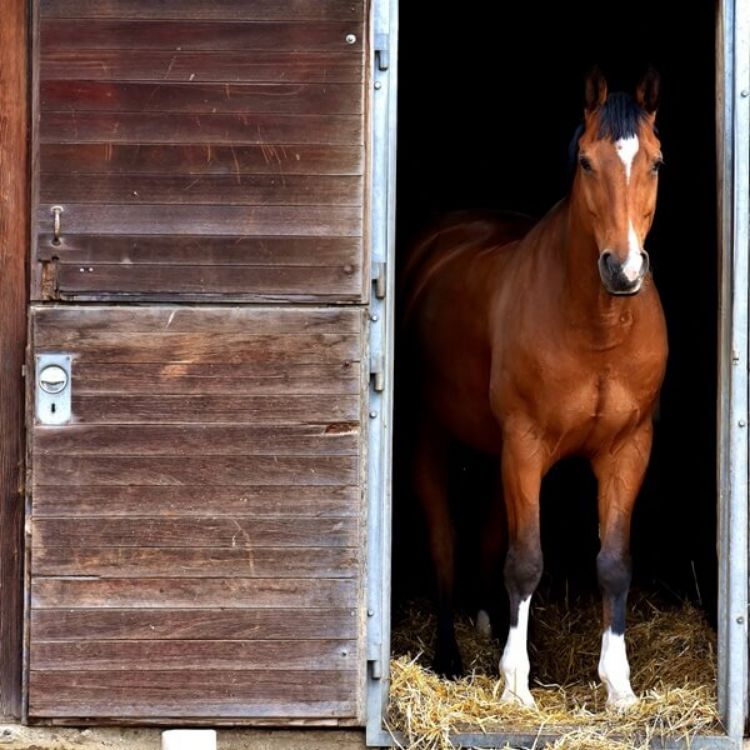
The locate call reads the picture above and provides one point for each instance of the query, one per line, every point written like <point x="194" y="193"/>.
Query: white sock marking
<point x="627" y="148"/>
<point x="515" y="662"/>
<point x="614" y="671"/>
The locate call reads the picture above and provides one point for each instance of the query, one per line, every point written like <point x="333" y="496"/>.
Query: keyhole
<point x="53" y="407"/>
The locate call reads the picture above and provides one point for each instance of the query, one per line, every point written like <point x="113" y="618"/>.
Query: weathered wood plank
<point x="261" y="410"/>
<point x="14" y="223"/>
<point x="231" y="348"/>
<point x="242" y="532"/>
<point x="208" y="159"/>
<point x="310" y="221"/>
<point x="208" y="470"/>
<point x="195" y="130"/>
<point x="70" y="34"/>
<point x="225" y="67"/>
<point x="185" y="693"/>
<point x="229" y="190"/>
<point x="201" y="98"/>
<point x="167" y="624"/>
<point x="194" y="500"/>
<point x="90" y="655"/>
<point x="341" y="283"/>
<point x="337" y="439"/>
<point x="216" y="10"/>
<point x="187" y="593"/>
<point x="51" y="323"/>
<point x="204" y="250"/>
<point x="273" y="380"/>
<point x="196" y="562"/>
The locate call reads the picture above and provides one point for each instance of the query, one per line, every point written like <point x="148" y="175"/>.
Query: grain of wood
<point x="167" y="624"/>
<point x="176" y="189"/>
<point x="341" y="283"/>
<point x="231" y="533"/>
<point x="201" y="98"/>
<point x="224" y="67"/>
<point x="335" y="439"/>
<point x="293" y="36"/>
<point x="98" y="655"/>
<point x="222" y="10"/>
<point x="207" y="159"/>
<point x="188" y="500"/>
<point x="267" y="130"/>
<point x="173" y="693"/>
<point x="189" y="593"/>
<point x="196" y="562"/>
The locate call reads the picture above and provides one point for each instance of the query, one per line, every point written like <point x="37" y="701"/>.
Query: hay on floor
<point x="673" y="670"/>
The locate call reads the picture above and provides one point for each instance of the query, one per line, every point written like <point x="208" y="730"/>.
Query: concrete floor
<point x="15" y="737"/>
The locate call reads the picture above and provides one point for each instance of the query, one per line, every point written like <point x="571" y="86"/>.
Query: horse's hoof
<point x="622" y="701"/>
<point x="449" y="665"/>
<point x="484" y="626"/>
<point x="521" y="698"/>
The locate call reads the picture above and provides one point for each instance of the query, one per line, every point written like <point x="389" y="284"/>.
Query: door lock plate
<point x="53" y="385"/>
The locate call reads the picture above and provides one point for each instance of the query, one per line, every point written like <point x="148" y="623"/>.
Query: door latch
<point x="53" y="387"/>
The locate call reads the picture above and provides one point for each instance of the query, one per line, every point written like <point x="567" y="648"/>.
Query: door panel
<point x="196" y="527"/>
<point x="201" y="151"/>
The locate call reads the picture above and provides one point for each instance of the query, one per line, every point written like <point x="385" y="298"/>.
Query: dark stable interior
<point x="489" y="97"/>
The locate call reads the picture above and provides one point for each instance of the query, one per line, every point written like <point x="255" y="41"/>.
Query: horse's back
<point x="455" y="238"/>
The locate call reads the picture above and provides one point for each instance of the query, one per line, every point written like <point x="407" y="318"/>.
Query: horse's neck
<point x="582" y="303"/>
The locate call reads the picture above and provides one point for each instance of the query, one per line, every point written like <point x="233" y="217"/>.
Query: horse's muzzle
<point x="618" y="278"/>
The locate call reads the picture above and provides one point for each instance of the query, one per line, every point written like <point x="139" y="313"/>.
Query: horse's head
<point x="616" y="176"/>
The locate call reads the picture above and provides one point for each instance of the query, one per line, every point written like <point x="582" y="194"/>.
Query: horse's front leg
<point x="619" y="471"/>
<point x="522" y="467"/>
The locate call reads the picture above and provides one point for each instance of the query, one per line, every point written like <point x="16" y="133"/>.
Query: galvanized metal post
<point x="733" y="92"/>
<point x="383" y="72"/>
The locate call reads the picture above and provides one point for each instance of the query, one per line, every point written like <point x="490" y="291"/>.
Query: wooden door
<point x="196" y="527"/>
<point x="201" y="149"/>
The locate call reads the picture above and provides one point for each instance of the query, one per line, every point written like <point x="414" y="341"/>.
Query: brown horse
<point x="537" y="343"/>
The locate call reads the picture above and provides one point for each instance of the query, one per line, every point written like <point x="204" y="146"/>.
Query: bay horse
<point x="538" y="342"/>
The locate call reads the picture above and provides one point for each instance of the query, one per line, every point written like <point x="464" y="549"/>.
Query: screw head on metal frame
<point x="351" y="38"/>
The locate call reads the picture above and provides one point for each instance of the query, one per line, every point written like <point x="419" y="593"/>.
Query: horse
<point x="532" y="342"/>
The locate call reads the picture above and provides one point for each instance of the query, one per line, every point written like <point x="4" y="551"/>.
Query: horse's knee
<point x="523" y="569"/>
<point x="614" y="572"/>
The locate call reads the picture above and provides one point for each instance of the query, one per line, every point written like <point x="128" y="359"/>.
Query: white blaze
<point x="515" y="662"/>
<point x="631" y="269"/>
<point x="614" y="671"/>
<point x="627" y="148"/>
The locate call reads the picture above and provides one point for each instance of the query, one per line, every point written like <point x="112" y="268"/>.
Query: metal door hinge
<point x="379" y="279"/>
<point x="376" y="672"/>
<point x="377" y="372"/>
<point x="381" y="51"/>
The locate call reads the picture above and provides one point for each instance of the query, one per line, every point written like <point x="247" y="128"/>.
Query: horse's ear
<point x="648" y="91"/>
<point x="596" y="89"/>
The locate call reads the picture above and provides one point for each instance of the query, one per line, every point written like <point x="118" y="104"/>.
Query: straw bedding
<point x="673" y="670"/>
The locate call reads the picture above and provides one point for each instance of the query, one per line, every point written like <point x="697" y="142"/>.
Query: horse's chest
<point x="595" y="408"/>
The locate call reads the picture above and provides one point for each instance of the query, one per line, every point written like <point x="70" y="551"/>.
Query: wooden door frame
<point x="14" y="243"/>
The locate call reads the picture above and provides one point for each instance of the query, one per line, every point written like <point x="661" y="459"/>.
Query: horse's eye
<point x="657" y="165"/>
<point x="585" y="164"/>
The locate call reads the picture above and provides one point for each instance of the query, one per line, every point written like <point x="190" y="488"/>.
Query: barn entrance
<point x="489" y="126"/>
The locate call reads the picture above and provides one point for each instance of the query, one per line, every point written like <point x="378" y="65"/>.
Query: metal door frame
<point x="733" y="462"/>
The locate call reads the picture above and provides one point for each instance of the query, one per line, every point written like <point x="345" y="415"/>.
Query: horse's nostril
<point x="609" y="263"/>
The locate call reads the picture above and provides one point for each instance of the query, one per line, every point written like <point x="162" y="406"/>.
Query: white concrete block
<point x="188" y="739"/>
